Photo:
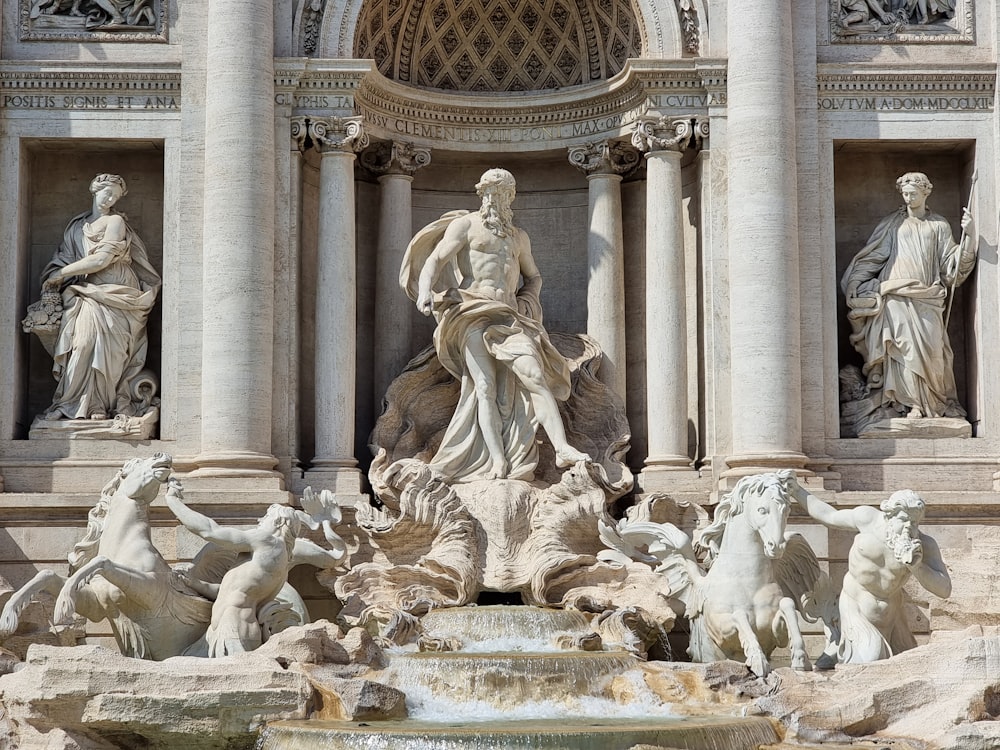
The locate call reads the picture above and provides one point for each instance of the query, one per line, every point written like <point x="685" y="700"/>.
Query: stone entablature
<point x="531" y="121"/>
<point x="850" y="89"/>
<point x="24" y="87"/>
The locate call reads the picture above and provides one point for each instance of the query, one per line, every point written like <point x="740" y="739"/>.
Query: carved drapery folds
<point x="395" y="157"/>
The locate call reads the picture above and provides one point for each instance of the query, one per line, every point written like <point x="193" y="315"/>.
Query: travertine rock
<point x="354" y="699"/>
<point x="96" y="698"/>
<point x="945" y="695"/>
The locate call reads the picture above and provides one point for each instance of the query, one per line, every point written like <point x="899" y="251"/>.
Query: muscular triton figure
<point x="887" y="550"/>
<point x="466" y="269"/>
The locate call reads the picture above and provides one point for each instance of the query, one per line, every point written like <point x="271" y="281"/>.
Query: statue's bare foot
<point x="98" y="415"/>
<point x="568" y="455"/>
<point x="915" y="413"/>
<point x="498" y="469"/>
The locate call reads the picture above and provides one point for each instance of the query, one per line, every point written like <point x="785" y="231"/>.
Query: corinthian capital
<point x="337" y="133"/>
<point x="604" y="157"/>
<point x="395" y="157"/>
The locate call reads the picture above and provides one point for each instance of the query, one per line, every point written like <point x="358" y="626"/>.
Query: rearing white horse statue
<point x="758" y="575"/>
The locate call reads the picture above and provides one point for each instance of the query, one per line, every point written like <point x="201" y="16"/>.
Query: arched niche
<point x="670" y="29"/>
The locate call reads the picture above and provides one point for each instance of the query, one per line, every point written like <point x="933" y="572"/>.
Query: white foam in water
<point x="424" y="704"/>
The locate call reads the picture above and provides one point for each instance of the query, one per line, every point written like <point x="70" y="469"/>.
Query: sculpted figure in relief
<point x="898" y="288"/>
<point x="888" y="549"/>
<point x="266" y="552"/>
<point x="103" y="281"/>
<point x="465" y="269"/>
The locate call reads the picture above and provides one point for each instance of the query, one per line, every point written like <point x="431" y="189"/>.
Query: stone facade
<point x="694" y="186"/>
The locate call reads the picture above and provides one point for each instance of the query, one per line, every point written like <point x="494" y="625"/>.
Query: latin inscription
<point x="91" y="102"/>
<point x="906" y="103"/>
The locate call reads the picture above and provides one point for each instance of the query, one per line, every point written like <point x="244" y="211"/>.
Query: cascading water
<point x="512" y="683"/>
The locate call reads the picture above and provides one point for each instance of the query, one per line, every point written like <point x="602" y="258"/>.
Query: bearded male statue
<point x="888" y="549"/>
<point x="465" y="269"/>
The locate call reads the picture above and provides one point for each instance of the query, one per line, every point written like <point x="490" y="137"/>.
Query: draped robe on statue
<point x="906" y="271"/>
<point x="102" y="341"/>
<point x="508" y="333"/>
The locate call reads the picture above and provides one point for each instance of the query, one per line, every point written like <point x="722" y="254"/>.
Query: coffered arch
<point x="664" y="29"/>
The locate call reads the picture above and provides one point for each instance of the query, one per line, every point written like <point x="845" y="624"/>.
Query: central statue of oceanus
<point x="465" y="268"/>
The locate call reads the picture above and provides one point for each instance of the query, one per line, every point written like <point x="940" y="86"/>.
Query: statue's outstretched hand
<point x="425" y="302"/>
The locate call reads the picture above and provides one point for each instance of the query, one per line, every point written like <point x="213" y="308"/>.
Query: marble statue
<point x="116" y="573"/>
<point x="888" y="549"/>
<point x="231" y="598"/>
<point x="268" y="551"/>
<point x="759" y="577"/>
<point x="861" y="11"/>
<point x="465" y="269"/>
<point x="100" y="14"/>
<point x="105" y="285"/>
<point x="889" y="17"/>
<point x="898" y="289"/>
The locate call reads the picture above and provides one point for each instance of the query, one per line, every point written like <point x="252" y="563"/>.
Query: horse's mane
<point x="86" y="549"/>
<point x="732" y="505"/>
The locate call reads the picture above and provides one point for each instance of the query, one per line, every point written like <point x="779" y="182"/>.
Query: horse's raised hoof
<point x="800" y="662"/>
<point x="758" y="664"/>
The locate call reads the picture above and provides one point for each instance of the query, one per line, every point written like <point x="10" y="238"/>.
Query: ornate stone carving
<point x="465" y="269"/>
<point x="247" y="606"/>
<point x="663" y="133"/>
<point x="299" y="132"/>
<point x="888" y="549"/>
<point x="690" y="28"/>
<point x="507" y="46"/>
<point x="604" y="157"/>
<point x="97" y="293"/>
<point x="337" y="133"/>
<point x="757" y="573"/>
<point x="94" y="20"/>
<point x="895" y="21"/>
<point x="311" y="23"/>
<point x="395" y="157"/>
<point x="155" y="611"/>
<point x="899" y="289"/>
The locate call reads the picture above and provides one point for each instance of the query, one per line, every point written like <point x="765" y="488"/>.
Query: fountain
<point x="512" y="683"/>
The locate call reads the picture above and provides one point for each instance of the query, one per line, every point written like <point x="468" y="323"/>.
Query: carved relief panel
<point x="94" y="20"/>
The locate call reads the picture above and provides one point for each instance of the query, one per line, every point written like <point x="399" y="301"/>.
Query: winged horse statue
<point x="759" y="576"/>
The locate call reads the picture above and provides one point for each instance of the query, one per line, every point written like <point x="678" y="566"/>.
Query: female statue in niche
<point x="898" y="290"/>
<point x="107" y="287"/>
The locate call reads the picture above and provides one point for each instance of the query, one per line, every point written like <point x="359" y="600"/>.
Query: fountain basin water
<point x="687" y="733"/>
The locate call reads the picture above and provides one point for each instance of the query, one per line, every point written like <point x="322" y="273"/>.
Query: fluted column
<point x="299" y="140"/>
<point x="604" y="163"/>
<point x="664" y="140"/>
<point x="334" y="466"/>
<point x="763" y="239"/>
<point x="395" y="163"/>
<point x="238" y="241"/>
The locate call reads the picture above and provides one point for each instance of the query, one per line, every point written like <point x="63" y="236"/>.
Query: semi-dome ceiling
<point x="498" y="45"/>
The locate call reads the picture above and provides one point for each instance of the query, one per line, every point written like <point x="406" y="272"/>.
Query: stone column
<point x="664" y="141"/>
<point x="334" y="466"/>
<point x="395" y="163"/>
<point x="238" y="242"/>
<point x="604" y="163"/>
<point x="763" y="240"/>
<point x="299" y="140"/>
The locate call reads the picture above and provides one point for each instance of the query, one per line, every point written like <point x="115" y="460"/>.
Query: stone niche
<point x="865" y="174"/>
<point x="56" y="187"/>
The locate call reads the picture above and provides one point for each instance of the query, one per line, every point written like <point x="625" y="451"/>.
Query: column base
<point x="672" y="474"/>
<point x="344" y="481"/>
<point x="237" y="465"/>
<point x="748" y="464"/>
